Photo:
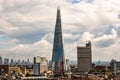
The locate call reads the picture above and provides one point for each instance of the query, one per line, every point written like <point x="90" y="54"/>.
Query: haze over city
<point x="27" y="27"/>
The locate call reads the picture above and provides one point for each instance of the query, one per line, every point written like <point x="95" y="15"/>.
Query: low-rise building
<point x="4" y="69"/>
<point x="115" y="65"/>
<point x="40" y="65"/>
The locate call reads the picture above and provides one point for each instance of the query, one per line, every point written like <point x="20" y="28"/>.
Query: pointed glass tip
<point x="58" y="8"/>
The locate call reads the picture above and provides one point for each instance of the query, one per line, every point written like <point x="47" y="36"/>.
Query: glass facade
<point x="36" y="67"/>
<point x="58" y="51"/>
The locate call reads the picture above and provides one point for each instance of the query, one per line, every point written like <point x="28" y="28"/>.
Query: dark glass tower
<point x="58" y="51"/>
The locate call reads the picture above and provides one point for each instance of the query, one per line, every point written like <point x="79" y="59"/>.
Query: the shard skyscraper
<point x="58" y="51"/>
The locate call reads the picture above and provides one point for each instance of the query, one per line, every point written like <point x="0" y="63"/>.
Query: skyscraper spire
<point x="58" y="51"/>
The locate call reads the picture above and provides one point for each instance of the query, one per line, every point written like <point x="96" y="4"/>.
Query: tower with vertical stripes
<point x="58" y="50"/>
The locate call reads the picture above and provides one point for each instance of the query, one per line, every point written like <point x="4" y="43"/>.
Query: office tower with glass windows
<point x="58" y="51"/>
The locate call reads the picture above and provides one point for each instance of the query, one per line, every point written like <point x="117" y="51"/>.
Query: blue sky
<point x="27" y="27"/>
<point x="78" y="1"/>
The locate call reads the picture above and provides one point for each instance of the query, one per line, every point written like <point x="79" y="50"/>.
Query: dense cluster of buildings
<point x="13" y="62"/>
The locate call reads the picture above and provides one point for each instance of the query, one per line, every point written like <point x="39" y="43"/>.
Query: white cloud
<point x="49" y="37"/>
<point x="40" y="48"/>
<point x="105" y="37"/>
<point x="15" y="52"/>
<point x="31" y="23"/>
<point x="86" y="36"/>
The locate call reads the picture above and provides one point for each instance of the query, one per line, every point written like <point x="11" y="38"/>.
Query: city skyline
<point x="27" y="28"/>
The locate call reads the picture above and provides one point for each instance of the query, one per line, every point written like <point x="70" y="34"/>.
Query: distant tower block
<point x="84" y="57"/>
<point x="1" y="60"/>
<point x="58" y="51"/>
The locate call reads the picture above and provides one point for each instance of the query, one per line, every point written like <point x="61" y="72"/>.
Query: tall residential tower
<point x="58" y="51"/>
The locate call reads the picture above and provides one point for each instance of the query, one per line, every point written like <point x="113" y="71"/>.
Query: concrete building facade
<point x="40" y="65"/>
<point x="84" y="58"/>
<point x="115" y="65"/>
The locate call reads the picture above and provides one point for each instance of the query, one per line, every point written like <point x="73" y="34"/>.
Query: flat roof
<point x="83" y="47"/>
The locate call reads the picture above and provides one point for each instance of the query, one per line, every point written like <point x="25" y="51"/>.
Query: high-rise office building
<point x="28" y="62"/>
<point x="1" y="62"/>
<point x="84" y="58"/>
<point x="19" y="62"/>
<point x="67" y="65"/>
<point x="6" y="60"/>
<point x="58" y="51"/>
<point x="12" y="62"/>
